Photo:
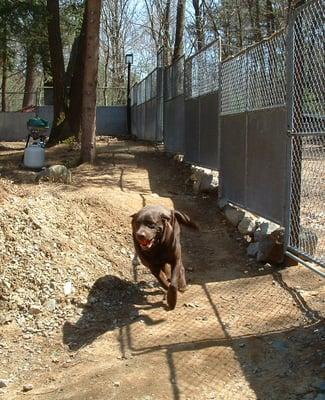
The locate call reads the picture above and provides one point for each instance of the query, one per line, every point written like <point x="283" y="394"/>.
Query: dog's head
<point x="152" y="225"/>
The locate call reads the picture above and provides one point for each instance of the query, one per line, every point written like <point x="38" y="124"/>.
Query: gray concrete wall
<point x="110" y="120"/>
<point x="13" y="125"/>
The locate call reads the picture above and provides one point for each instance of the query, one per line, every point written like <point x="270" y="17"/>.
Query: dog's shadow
<point x="112" y="303"/>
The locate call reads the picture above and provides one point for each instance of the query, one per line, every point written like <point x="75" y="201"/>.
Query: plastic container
<point x="34" y="156"/>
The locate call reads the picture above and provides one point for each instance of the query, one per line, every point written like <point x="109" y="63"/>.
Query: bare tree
<point x="117" y="18"/>
<point x="199" y="25"/>
<point x="159" y="23"/>
<point x="30" y="79"/>
<point x="270" y="18"/>
<point x="179" y="35"/>
<point x="57" y="64"/>
<point x="88" y="120"/>
<point x="4" y="62"/>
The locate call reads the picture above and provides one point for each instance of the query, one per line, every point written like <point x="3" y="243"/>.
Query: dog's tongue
<point x="145" y="242"/>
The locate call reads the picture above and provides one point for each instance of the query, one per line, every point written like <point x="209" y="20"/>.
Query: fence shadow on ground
<point x="112" y="302"/>
<point x="272" y="352"/>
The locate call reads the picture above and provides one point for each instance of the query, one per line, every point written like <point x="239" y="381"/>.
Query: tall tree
<point x="76" y="89"/>
<point x="30" y="80"/>
<point x="199" y="26"/>
<point x="6" y="8"/>
<point x="88" y="120"/>
<point x="179" y="35"/>
<point x="57" y="63"/>
<point x="270" y="17"/>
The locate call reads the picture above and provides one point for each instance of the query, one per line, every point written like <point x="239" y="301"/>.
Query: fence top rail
<point x="205" y="48"/>
<point x="252" y="46"/>
<point x="299" y="9"/>
<point x="143" y="79"/>
<point x="175" y="62"/>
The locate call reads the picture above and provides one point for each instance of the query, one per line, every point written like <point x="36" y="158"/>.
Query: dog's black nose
<point x="141" y="235"/>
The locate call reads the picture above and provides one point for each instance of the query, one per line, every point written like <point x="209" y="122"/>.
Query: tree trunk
<point x="179" y="36"/>
<point x="240" y="26"/>
<point x="29" y="94"/>
<point x="4" y="59"/>
<point x="57" y="64"/>
<point x="198" y="25"/>
<point x="258" y="32"/>
<point x="76" y="87"/>
<point x="166" y="36"/>
<point x="212" y="19"/>
<point x="270" y="18"/>
<point x="88" y="119"/>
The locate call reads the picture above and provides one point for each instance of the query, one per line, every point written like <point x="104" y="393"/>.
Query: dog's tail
<point x="184" y="219"/>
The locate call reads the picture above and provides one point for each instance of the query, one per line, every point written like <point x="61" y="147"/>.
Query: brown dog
<point x="156" y="236"/>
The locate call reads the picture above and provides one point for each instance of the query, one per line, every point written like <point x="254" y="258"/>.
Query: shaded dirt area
<point x="242" y="330"/>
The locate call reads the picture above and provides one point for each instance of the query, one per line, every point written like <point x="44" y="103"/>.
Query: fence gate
<point x="306" y="95"/>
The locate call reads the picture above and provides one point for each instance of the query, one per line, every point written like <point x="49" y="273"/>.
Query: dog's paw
<point x="172" y="297"/>
<point x="182" y="289"/>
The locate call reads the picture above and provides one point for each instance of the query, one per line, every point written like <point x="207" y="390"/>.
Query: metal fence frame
<point x="306" y="137"/>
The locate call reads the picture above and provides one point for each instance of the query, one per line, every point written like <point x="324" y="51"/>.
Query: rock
<point x="320" y="396"/>
<point x="50" y="305"/>
<point x="222" y="203"/>
<point x="320" y="386"/>
<point x="35" y="309"/>
<point x="67" y="289"/>
<point x="233" y="214"/>
<point x="248" y="224"/>
<point x="4" y="383"/>
<point x="179" y="157"/>
<point x="271" y="248"/>
<point x="264" y="229"/>
<point x="252" y="249"/>
<point x="116" y="384"/>
<point x="203" y="180"/>
<point x="308" y="396"/>
<point x="27" y="387"/>
<point x="280" y="345"/>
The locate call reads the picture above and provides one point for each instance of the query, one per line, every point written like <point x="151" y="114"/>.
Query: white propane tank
<point x="34" y="156"/>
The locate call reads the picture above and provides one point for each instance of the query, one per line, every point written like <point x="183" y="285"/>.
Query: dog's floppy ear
<point x="169" y="222"/>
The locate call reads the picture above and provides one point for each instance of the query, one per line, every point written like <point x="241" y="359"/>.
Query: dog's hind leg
<point x="182" y="279"/>
<point x="168" y="271"/>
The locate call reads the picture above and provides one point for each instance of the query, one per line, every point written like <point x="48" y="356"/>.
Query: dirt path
<point x="241" y="331"/>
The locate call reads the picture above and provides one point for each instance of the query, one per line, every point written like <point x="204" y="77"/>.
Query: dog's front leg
<point x="172" y="290"/>
<point x="161" y="276"/>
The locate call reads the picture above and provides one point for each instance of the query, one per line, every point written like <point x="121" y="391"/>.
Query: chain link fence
<point x="201" y="90"/>
<point x="234" y="115"/>
<point x="307" y="130"/>
<point x="202" y="71"/>
<point x="145" y="107"/>
<point x="106" y="96"/>
<point x="174" y="122"/>
<point x="253" y="119"/>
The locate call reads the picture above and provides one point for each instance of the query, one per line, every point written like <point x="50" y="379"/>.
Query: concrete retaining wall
<point x="110" y="121"/>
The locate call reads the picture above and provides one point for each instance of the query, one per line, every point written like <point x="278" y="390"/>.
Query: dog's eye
<point x="151" y="225"/>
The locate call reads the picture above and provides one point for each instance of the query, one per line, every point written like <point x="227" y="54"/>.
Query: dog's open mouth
<point x="146" y="243"/>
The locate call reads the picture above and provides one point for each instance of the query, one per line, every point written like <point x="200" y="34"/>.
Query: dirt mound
<point x="77" y="321"/>
<point x="52" y="250"/>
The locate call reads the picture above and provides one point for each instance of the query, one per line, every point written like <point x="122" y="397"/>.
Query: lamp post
<point x="129" y="62"/>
